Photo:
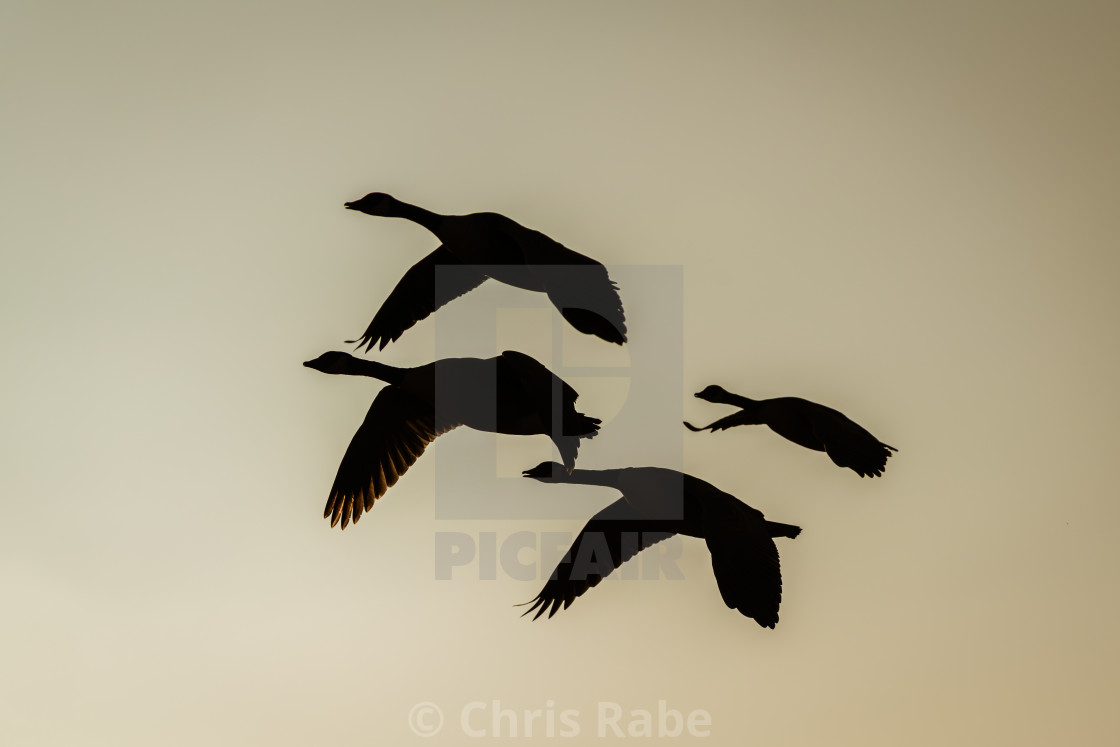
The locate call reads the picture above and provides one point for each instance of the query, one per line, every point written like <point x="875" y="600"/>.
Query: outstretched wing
<point x="745" y="559"/>
<point x="539" y="385"/>
<point x="579" y="287"/>
<point x="431" y="283"/>
<point x="849" y="444"/>
<point x="394" y="434"/>
<point x="587" y="298"/>
<point x="749" y="576"/>
<point x="730" y="421"/>
<point x="535" y="376"/>
<point x="610" y="538"/>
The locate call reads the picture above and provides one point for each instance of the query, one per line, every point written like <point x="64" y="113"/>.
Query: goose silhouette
<point x="488" y="245"/>
<point x="807" y="424"/>
<point x="657" y="503"/>
<point x="511" y="393"/>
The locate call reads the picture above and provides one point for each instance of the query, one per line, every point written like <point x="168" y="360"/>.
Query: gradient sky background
<point x="907" y="213"/>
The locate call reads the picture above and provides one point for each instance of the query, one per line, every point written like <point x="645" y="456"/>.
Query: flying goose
<point x="805" y="423"/>
<point x="511" y="393"/>
<point x="488" y="245"/>
<point x="657" y="503"/>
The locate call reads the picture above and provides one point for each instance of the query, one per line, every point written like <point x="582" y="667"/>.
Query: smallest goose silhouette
<point x="807" y="424"/>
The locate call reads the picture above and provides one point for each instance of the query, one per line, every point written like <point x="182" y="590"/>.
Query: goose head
<point x="547" y="472"/>
<point x="332" y="362"/>
<point x="375" y="203"/>
<point x="713" y="393"/>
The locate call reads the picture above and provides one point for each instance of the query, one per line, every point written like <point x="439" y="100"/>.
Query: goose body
<point x="807" y="424"/>
<point x="657" y="503"/>
<point x="511" y="393"/>
<point x="479" y="246"/>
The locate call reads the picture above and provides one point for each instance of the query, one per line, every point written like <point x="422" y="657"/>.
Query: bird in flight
<point x="511" y="393"/>
<point x="657" y="503"/>
<point x="807" y="424"/>
<point x="479" y="246"/>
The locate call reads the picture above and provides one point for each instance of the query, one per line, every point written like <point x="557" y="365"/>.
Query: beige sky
<point x="907" y="213"/>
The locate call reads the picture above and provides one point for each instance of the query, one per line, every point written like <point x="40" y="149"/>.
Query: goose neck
<point x="376" y="370"/>
<point x="419" y="215"/>
<point x="605" y="477"/>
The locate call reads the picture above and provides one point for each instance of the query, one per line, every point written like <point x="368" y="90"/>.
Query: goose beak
<point x="348" y="205"/>
<point x="308" y="363"/>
